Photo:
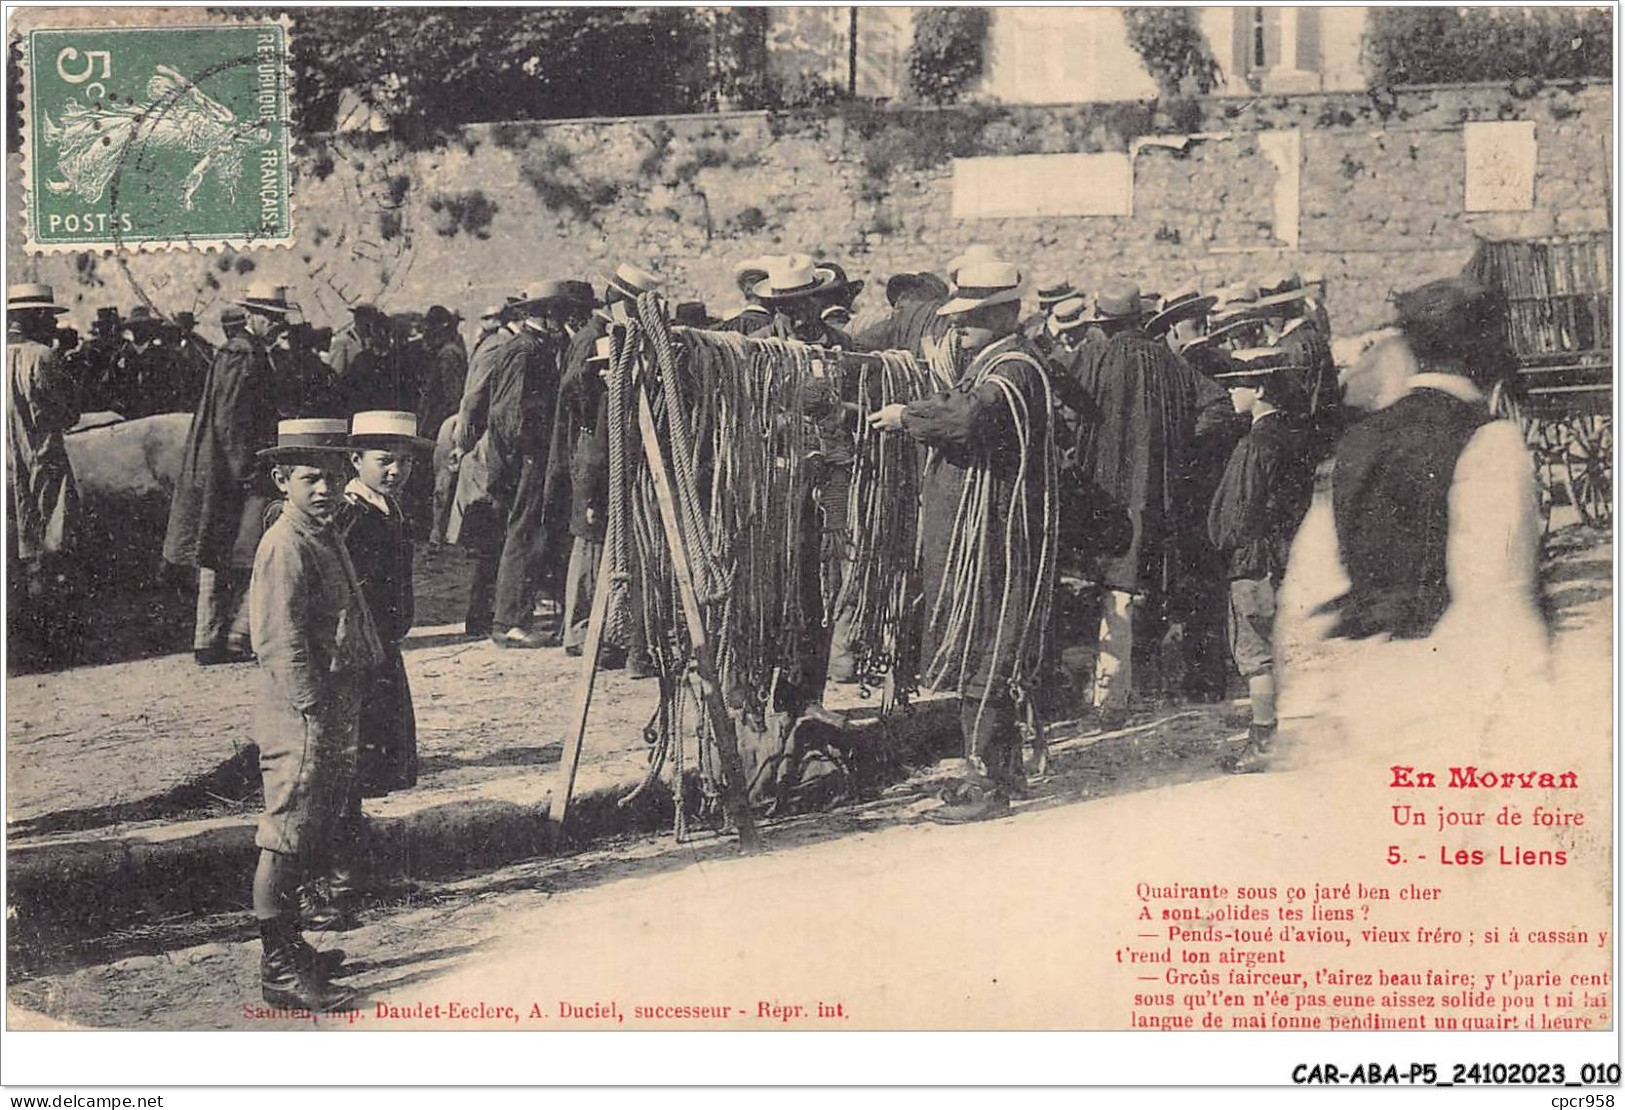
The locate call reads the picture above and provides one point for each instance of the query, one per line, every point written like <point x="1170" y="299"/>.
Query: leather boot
<point x="287" y="980"/>
<point x="323" y="961"/>
<point x="321" y="912"/>
<point x="1254" y="755"/>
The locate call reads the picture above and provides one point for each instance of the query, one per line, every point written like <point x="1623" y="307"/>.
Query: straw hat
<point x="1252" y="365"/>
<point x="976" y="252"/>
<point x="265" y="297"/>
<point x="631" y="281"/>
<point x="1069" y="315"/>
<point x="1117" y="300"/>
<point x="794" y="277"/>
<point x="321" y="439"/>
<point x="1235" y="326"/>
<point x="33" y="295"/>
<point x="1186" y="305"/>
<point x="382" y="429"/>
<point x="983" y="283"/>
<point x="1054" y="293"/>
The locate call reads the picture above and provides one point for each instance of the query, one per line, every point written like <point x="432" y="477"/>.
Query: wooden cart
<point x="1559" y="325"/>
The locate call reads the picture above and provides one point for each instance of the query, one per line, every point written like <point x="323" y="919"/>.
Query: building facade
<point x="1044" y="55"/>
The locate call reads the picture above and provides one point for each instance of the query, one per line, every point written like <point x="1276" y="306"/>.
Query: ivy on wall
<point x="1425" y="46"/>
<point x="1170" y="43"/>
<point x="945" y="57"/>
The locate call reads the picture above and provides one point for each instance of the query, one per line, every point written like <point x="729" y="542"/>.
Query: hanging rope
<point x="882" y="578"/>
<point x="959" y="607"/>
<point x="757" y="434"/>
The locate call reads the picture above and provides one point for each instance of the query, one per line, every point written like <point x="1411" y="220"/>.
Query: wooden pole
<point x="733" y="768"/>
<point x="558" y="806"/>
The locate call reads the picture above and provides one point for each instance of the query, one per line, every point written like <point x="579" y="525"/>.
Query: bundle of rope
<point x="746" y="429"/>
<point x="1028" y="538"/>
<point x="881" y="582"/>
<point x="730" y="419"/>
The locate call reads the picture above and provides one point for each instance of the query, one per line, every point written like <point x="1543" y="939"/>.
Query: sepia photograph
<point x="815" y="519"/>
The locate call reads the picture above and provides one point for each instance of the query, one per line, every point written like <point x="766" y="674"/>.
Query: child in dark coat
<point x="378" y="537"/>
<point x="1256" y="510"/>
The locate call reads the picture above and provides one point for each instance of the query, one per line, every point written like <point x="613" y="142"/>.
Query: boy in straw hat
<point x="1255" y="512"/>
<point x="378" y="538"/>
<point x="317" y="645"/>
<point x="44" y="499"/>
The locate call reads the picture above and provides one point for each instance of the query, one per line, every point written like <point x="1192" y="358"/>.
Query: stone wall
<point x="1381" y="201"/>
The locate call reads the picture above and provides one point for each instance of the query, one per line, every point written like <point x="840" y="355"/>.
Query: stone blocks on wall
<point x="1380" y="196"/>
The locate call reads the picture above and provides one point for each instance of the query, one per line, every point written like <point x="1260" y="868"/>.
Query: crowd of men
<point x="520" y="474"/>
<point x="519" y="478"/>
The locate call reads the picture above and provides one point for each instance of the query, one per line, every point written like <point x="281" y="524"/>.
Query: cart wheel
<point x="1548" y="441"/>
<point x="1589" y="463"/>
<point x="1036" y="760"/>
<point x="1504" y="406"/>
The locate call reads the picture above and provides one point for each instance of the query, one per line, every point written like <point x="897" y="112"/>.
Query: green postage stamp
<point x="160" y="136"/>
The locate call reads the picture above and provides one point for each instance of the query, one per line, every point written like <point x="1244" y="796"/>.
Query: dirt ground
<point x="146" y="736"/>
<point x="196" y="973"/>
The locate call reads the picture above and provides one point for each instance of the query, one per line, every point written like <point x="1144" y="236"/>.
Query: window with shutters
<point x="1277" y="49"/>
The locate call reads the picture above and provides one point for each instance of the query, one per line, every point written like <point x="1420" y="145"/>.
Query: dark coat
<point x="442" y="385"/>
<point x="751" y="318"/>
<point x="972" y="429"/>
<point x="912" y="319"/>
<point x="369" y="378"/>
<point x="1307" y="346"/>
<point x="1141" y="408"/>
<point x="524" y="388"/>
<point x="193" y="357"/>
<point x="44" y="500"/>
<point x="1261" y="499"/>
<point x="1391" y="504"/>
<point x="576" y="498"/>
<point x="380" y="549"/>
<point x="217" y="514"/>
<point x="478" y="494"/>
